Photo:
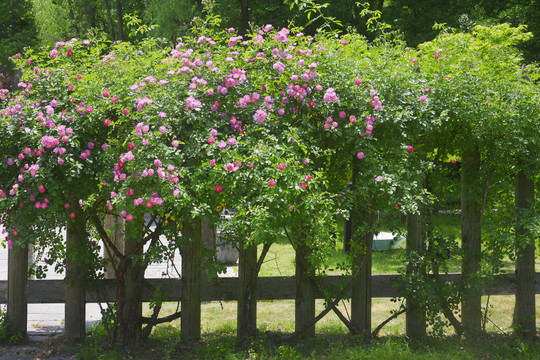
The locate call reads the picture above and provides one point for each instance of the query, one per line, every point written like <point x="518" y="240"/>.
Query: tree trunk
<point x="200" y="6"/>
<point x="120" y="20"/>
<point x="247" y="301"/>
<point x="110" y="20"/>
<point x="17" y="309"/>
<point x="245" y="16"/>
<point x="85" y="12"/>
<point x="72" y="17"/>
<point x="525" y="312"/>
<point x="415" y="315"/>
<point x="471" y="213"/>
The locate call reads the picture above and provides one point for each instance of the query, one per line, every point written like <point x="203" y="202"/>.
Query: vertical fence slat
<point x="132" y="277"/>
<point x="415" y="316"/>
<point x="247" y="300"/>
<point x="305" y="294"/>
<point x="525" y="310"/>
<point x="75" y="308"/>
<point x="190" y="324"/>
<point x="361" y="286"/>
<point x="116" y="225"/>
<point x="17" y="308"/>
<point x="471" y="307"/>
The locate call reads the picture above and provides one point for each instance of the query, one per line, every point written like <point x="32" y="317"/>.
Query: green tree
<point x="18" y="29"/>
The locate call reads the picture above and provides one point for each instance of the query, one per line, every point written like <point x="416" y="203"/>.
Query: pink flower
<point x="162" y="114"/>
<point x="281" y="166"/>
<point x="436" y="56"/>
<point x="175" y="143"/>
<point x="72" y="215"/>
<point x="423" y="98"/>
<point x="218" y="188"/>
<point x="379" y="178"/>
<point x="360" y="155"/>
<point x="308" y="178"/>
<point x="69" y="52"/>
<point x="330" y="96"/>
<point x="410" y="148"/>
<point x="358" y="81"/>
<point x="125" y="112"/>
<point x="162" y="129"/>
<point x="114" y="99"/>
<point x="291" y="207"/>
<point x="260" y="115"/>
<point x="302" y="185"/>
<point x="106" y="94"/>
<point x="60" y="161"/>
<point x="129" y="217"/>
<point x="272" y="182"/>
<point x="106" y="122"/>
<point x="414" y="60"/>
<point x="212" y="162"/>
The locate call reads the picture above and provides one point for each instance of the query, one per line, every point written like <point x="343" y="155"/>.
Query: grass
<point x="333" y="340"/>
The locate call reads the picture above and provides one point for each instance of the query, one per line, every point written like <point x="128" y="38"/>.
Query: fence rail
<point x="268" y="288"/>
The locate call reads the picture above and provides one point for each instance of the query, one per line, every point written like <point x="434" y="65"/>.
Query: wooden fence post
<point x="75" y="308"/>
<point x="415" y="316"/>
<point x="190" y="325"/>
<point x="17" y="308"/>
<point x="247" y="300"/>
<point x="116" y="226"/>
<point x="525" y="311"/>
<point x="471" y="214"/>
<point x="361" y="286"/>
<point x="362" y="220"/>
<point x="304" y="303"/>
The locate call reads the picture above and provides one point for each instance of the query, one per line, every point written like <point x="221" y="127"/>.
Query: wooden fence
<point x="228" y="289"/>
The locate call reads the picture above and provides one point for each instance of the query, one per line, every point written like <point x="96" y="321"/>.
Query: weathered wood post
<point x="17" y="309"/>
<point x="525" y="311"/>
<point x="132" y="277"/>
<point x="247" y="300"/>
<point x="190" y="325"/>
<point x="304" y="303"/>
<point x="115" y="227"/>
<point x="361" y="285"/>
<point x="415" y="316"/>
<point x="362" y="219"/>
<point x="75" y="308"/>
<point x="471" y="214"/>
